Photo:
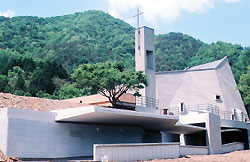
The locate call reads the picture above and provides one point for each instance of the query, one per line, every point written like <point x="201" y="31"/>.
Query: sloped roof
<point x="210" y="65"/>
<point x="207" y="66"/>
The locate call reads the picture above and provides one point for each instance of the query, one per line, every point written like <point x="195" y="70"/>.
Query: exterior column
<point x="213" y="127"/>
<point x="183" y="139"/>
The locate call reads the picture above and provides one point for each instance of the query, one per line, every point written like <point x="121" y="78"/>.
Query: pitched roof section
<point x="210" y="65"/>
<point x="207" y="66"/>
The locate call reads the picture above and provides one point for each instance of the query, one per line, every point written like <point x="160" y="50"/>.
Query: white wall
<point x="230" y="94"/>
<point x="193" y="150"/>
<point x="136" y="152"/>
<point x="193" y="117"/>
<point x="199" y="87"/>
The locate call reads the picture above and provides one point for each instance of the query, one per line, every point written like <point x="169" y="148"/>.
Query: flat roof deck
<point x="102" y="115"/>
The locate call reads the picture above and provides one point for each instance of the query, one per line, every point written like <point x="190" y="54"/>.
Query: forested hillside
<point x="176" y="51"/>
<point x="37" y="55"/>
<point x="87" y="37"/>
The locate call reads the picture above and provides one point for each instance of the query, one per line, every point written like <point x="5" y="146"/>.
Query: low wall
<point x="147" y="109"/>
<point x="232" y="147"/>
<point x="136" y="152"/>
<point x="193" y="150"/>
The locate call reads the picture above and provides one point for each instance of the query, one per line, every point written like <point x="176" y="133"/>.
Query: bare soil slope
<point x="35" y="103"/>
<point x="4" y="158"/>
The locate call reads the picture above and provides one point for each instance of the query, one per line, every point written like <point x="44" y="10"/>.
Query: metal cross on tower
<point x="138" y="15"/>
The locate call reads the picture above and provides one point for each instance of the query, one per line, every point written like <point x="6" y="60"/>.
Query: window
<point x="217" y="97"/>
<point x="150" y="60"/>
<point x="182" y="106"/>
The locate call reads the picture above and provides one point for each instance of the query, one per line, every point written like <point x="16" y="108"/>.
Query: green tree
<point x="109" y="79"/>
<point x="16" y="80"/>
<point x="42" y="94"/>
<point x="3" y="82"/>
<point x="43" y="76"/>
<point x="244" y="87"/>
<point x="41" y="81"/>
<point x="70" y="91"/>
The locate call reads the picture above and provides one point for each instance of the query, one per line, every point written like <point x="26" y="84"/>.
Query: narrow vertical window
<point x="182" y="106"/>
<point x="150" y="60"/>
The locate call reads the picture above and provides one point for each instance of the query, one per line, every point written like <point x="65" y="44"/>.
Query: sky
<point x="207" y="20"/>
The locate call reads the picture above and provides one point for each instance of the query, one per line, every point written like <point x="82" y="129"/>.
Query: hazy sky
<point x="207" y="20"/>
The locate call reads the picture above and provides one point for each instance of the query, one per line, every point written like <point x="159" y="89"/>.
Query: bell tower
<point x="145" y="58"/>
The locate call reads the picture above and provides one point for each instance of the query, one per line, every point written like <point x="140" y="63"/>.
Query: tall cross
<point x="138" y="15"/>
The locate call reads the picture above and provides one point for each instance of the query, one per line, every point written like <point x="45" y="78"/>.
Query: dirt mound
<point x="35" y="103"/>
<point x="4" y="158"/>
<point x="32" y="103"/>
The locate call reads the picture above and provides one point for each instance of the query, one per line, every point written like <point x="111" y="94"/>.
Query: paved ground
<point x="237" y="156"/>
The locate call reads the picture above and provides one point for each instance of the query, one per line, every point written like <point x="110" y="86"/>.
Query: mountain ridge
<point x="28" y="43"/>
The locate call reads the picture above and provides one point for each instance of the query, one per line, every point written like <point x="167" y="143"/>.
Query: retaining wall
<point x="146" y="151"/>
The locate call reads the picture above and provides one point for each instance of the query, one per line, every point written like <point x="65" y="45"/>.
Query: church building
<point x="197" y="110"/>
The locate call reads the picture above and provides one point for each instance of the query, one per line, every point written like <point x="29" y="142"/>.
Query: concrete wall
<point x="233" y="124"/>
<point x="136" y="152"/>
<point x="169" y="137"/>
<point x="167" y="85"/>
<point x="213" y="133"/>
<point x="148" y="110"/>
<point x="230" y="94"/>
<point x="213" y="126"/>
<point x="248" y="132"/>
<point x="144" y="41"/>
<point x="232" y="147"/>
<point x="33" y="134"/>
<point x="192" y="118"/>
<point x="141" y="152"/>
<point x="3" y="130"/>
<point x="193" y="150"/>
<point x="193" y="87"/>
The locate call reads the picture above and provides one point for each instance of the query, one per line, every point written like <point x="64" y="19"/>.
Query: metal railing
<point x="176" y="111"/>
<point x="147" y="102"/>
